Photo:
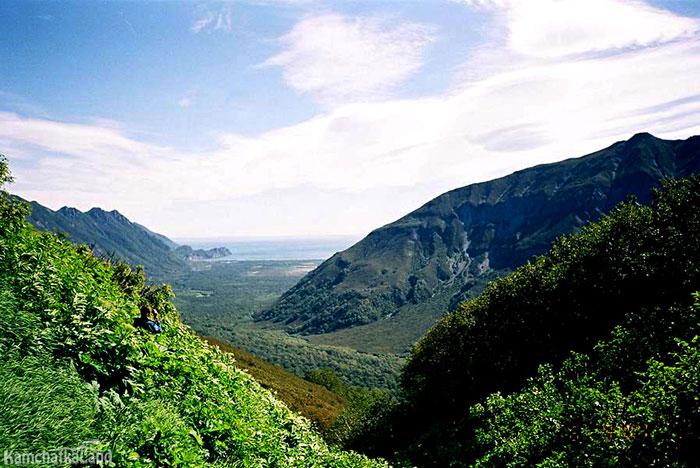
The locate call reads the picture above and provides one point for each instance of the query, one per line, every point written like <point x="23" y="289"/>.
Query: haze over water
<point x="317" y="248"/>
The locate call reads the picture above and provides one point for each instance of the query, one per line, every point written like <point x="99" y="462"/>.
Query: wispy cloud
<point x="214" y="21"/>
<point x="557" y="28"/>
<point x="184" y="102"/>
<point x="339" y="59"/>
<point x="14" y="102"/>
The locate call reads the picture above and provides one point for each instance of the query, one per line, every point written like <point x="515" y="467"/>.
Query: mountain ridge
<point x="111" y="233"/>
<point x="457" y="242"/>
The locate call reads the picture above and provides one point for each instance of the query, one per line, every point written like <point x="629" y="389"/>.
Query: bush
<point x="579" y="416"/>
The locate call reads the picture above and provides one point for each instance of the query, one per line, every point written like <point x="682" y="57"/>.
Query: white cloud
<point x="556" y="28"/>
<point x="341" y="59"/>
<point x="510" y="121"/>
<point x="359" y="165"/>
<point x="209" y="21"/>
<point x="184" y="102"/>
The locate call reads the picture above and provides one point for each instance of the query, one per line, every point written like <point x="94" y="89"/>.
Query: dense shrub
<point x="580" y="416"/>
<point x="365" y="410"/>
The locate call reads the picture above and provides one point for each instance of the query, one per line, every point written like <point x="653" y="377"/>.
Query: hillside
<point x="619" y="295"/>
<point x="404" y="275"/>
<point x="111" y="233"/>
<point x="73" y="368"/>
<point x="312" y="401"/>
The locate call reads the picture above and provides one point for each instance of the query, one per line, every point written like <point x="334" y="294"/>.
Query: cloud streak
<point x="220" y="21"/>
<point x="558" y="28"/>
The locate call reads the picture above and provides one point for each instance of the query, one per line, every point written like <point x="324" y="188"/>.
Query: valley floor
<point x="219" y="298"/>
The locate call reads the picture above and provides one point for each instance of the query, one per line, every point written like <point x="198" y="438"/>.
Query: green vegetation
<point x="632" y="402"/>
<point x="110" y="234"/>
<point x="365" y="407"/>
<point x="636" y="257"/>
<point x="633" y="272"/>
<point x="218" y="299"/>
<point x="314" y="401"/>
<point x="73" y="367"/>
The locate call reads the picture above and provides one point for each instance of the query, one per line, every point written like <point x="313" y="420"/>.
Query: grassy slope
<point x="308" y="399"/>
<point x="74" y="368"/>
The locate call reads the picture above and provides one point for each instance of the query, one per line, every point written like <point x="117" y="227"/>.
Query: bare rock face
<point x="457" y="242"/>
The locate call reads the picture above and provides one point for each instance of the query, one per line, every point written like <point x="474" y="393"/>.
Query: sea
<point x="283" y="248"/>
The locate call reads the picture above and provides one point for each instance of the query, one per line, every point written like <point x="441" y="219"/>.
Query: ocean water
<point x="319" y="248"/>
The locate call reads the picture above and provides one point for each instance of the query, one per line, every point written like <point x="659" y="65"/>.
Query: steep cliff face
<point x="455" y="243"/>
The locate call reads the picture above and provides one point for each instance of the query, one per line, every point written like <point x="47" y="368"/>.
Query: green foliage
<point x="579" y="416"/>
<point x="365" y="411"/>
<point x="61" y="415"/>
<point x="635" y="269"/>
<point x="66" y="338"/>
<point x="11" y="214"/>
<point x="112" y="235"/>
<point x="218" y="299"/>
<point x="329" y="379"/>
<point x="638" y="256"/>
<point x="312" y="401"/>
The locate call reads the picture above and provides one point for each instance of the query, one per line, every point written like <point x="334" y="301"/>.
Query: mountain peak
<point x="70" y="211"/>
<point x="112" y="233"/>
<point x="641" y="137"/>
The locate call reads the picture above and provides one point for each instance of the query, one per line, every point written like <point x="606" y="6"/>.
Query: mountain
<point x="172" y="245"/>
<point x="447" y="250"/>
<point x="111" y="233"/>
<point x="587" y="356"/>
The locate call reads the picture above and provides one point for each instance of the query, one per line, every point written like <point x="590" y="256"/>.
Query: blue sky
<point x="306" y="117"/>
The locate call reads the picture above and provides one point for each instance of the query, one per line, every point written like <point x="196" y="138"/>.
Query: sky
<point x="313" y="118"/>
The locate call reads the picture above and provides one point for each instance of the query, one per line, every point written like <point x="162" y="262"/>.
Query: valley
<point x="341" y="234"/>
<point x="219" y="299"/>
<point x="383" y="380"/>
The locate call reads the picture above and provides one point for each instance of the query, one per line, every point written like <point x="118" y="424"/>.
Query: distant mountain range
<point x="448" y="249"/>
<point x="111" y="233"/>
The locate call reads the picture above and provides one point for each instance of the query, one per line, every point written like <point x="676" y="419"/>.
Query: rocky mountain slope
<point x="448" y="249"/>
